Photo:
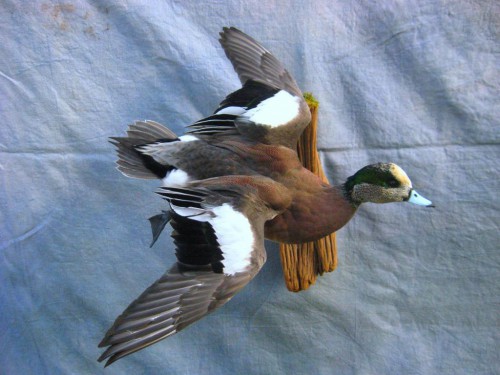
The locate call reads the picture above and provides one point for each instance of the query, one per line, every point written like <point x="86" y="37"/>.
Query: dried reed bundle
<point x="302" y="263"/>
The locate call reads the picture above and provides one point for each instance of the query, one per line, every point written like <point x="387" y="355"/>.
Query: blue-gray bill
<point x="416" y="198"/>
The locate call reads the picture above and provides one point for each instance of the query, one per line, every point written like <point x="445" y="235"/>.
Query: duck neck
<point x="347" y="189"/>
<point x="338" y="207"/>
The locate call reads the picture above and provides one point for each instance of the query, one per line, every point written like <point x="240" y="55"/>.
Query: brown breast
<point x="311" y="217"/>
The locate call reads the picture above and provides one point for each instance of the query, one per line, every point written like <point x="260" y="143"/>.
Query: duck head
<point x="382" y="183"/>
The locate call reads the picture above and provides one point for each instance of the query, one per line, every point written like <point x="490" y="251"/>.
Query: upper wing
<point x="252" y="61"/>
<point x="232" y="107"/>
<point x="269" y="108"/>
<point x="220" y="248"/>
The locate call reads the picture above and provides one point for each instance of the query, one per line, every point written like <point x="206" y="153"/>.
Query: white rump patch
<point x="176" y="177"/>
<point x="231" y="111"/>
<point x="188" y="138"/>
<point x="275" y="111"/>
<point x="235" y="237"/>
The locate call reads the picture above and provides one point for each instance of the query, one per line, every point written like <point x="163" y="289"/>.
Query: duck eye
<point x="393" y="183"/>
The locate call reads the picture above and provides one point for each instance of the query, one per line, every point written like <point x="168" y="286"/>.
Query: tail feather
<point x="152" y="131"/>
<point x="131" y="162"/>
<point x="158" y="223"/>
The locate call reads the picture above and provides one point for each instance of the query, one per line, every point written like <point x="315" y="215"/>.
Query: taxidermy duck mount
<point x="232" y="181"/>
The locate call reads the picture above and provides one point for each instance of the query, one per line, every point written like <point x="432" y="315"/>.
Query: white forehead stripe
<point x="275" y="111"/>
<point x="235" y="237"/>
<point x="400" y="175"/>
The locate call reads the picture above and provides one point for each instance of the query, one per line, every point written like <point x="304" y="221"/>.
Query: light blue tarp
<point x="413" y="82"/>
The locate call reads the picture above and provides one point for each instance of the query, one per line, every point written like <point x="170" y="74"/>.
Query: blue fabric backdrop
<point x="413" y="82"/>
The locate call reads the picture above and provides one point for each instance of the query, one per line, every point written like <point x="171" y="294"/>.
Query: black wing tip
<point x="107" y="354"/>
<point x="103" y="356"/>
<point x="112" y="359"/>
<point x="227" y="31"/>
<point x="103" y="343"/>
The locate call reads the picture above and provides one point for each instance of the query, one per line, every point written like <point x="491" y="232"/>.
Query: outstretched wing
<point x="219" y="250"/>
<point x="252" y="61"/>
<point x="269" y="108"/>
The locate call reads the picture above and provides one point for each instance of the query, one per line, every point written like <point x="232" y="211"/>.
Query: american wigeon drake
<point x="233" y="180"/>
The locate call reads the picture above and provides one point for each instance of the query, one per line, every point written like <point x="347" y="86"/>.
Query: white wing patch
<point x="236" y="111"/>
<point x="235" y="237"/>
<point x="188" y="138"/>
<point x="176" y="177"/>
<point x="233" y="231"/>
<point x="275" y="111"/>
